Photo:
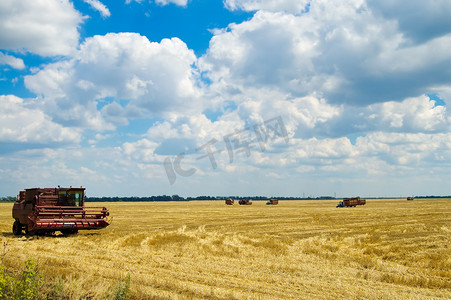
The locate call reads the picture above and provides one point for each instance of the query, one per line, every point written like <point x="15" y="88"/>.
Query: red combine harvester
<point x="351" y="202"/>
<point x="229" y="201"/>
<point x="46" y="210"/>
<point x="272" y="202"/>
<point x="244" y="202"/>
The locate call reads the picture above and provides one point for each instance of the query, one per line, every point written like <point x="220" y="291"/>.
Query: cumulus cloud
<point x="417" y="21"/>
<point x="318" y="132"/>
<point x="142" y="150"/>
<point x="21" y="123"/>
<point x="342" y="51"/>
<point x="152" y="78"/>
<point x="412" y="115"/>
<point x="42" y="27"/>
<point x="13" y="62"/>
<point x="186" y="133"/>
<point x="408" y="149"/>
<point x="100" y="7"/>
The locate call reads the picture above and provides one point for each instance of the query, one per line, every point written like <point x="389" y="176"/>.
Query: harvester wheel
<point x="17" y="228"/>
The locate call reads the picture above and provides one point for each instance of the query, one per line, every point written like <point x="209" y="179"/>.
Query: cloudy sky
<point x="232" y="97"/>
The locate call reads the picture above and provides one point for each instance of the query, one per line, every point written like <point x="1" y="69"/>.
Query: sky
<point x="235" y="97"/>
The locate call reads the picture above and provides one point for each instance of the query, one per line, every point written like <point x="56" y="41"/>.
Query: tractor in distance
<point x="351" y="202"/>
<point x="229" y="201"/>
<point x="245" y="202"/>
<point x="46" y="210"/>
<point x="272" y="202"/>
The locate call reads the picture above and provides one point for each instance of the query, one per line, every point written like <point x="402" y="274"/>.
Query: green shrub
<point x="26" y="286"/>
<point x="29" y="285"/>
<point x="6" y="284"/>
<point x="123" y="289"/>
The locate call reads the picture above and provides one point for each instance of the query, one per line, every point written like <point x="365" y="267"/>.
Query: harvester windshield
<point x="71" y="197"/>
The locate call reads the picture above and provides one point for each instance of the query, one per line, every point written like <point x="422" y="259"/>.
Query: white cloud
<point x="176" y="2"/>
<point x="154" y="79"/>
<point x="329" y="148"/>
<point x="417" y="21"/>
<point x="187" y="133"/>
<point x="413" y="115"/>
<point x="340" y="50"/>
<point x="162" y="2"/>
<point x="56" y="88"/>
<point x="43" y="27"/>
<point x="292" y="6"/>
<point x="415" y="150"/>
<point x="11" y="61"/>
<point x="142" y="150"/>
<point x="100" y="7"/>
<point x="21" y="123"/>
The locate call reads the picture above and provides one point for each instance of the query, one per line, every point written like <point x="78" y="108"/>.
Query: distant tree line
<point x="427" y="197"/>
<point x="206" y="198"/>
<point x="136" y="199"/>
<point x="8" y="199"/>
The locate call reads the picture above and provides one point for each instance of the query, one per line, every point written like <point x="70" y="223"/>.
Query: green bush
<point x="123" y="289"/>
<point x="6" y="284"/>
<point x="29" y="285"/>
<point x="26" y="286"/>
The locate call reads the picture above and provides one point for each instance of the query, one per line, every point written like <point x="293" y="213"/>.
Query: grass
<point x="391" y="249"/>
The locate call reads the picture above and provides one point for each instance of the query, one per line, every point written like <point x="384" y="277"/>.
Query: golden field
<point x="386" y="249"/>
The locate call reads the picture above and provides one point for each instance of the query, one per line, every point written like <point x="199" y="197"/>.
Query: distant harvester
<point x="351" y="202"/>
<point x="272" y="202"/>
<point x="245" y="202"/>
<point x="229" y="201"/>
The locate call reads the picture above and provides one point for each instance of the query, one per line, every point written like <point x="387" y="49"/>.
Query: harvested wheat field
<point x="390" y="249"/>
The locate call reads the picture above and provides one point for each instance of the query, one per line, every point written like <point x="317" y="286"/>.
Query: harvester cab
<point x="71" y="196"/>
<point x="46" y="210"/>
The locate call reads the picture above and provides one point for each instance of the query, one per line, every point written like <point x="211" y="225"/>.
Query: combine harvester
<point x="272" y="202"/>
<point x="351" y="202"/>
<point x="229" y="201"/>
<point x="46" y="210"/>
<point x="245" y="202"/>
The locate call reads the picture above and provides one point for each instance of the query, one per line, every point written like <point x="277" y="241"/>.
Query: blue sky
<point x="191" y="22"/>
<point x="233" y="97"/>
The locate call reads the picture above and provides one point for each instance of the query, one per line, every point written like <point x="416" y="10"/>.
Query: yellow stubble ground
<point x="390" y="249"/>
